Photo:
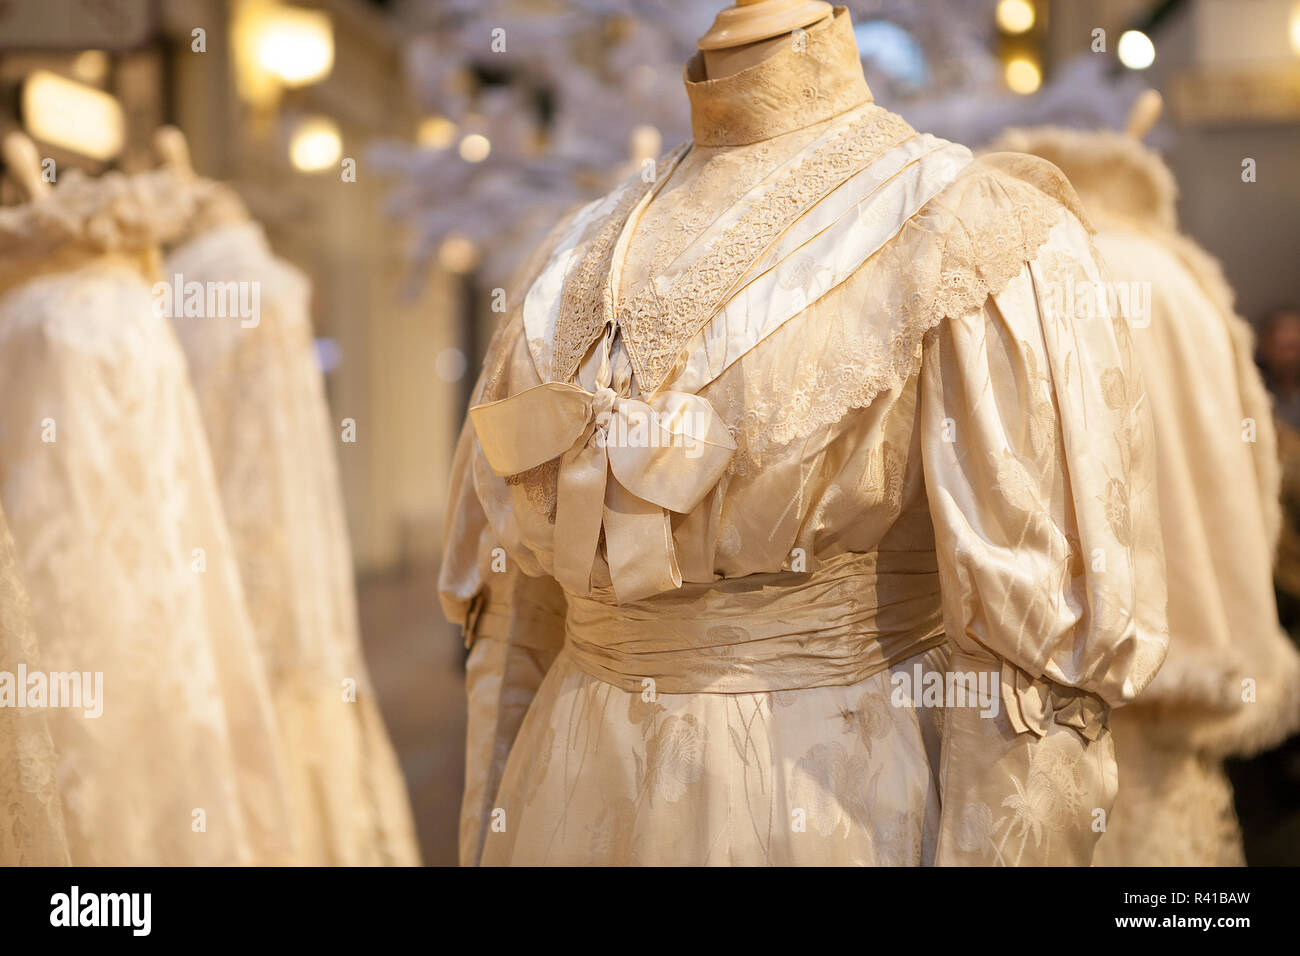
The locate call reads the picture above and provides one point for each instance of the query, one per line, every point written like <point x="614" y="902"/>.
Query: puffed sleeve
<point x="1039" y="472"/>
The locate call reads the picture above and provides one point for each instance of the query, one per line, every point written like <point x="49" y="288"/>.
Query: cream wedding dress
<point x="31" y="812"/>
<point x="108" y="487"/>
<point x="773" y="438"/>
<point x="262" y="399"/>
<point x="1231" y="683"/>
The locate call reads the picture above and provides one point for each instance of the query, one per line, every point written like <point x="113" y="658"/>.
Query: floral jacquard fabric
<point x="890" y="629"/>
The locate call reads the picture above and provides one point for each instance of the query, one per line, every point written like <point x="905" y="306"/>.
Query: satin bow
<point x="624" y="465"/>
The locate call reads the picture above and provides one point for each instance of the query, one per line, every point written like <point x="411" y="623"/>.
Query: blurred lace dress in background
<point x="118" y="527"/>
<point x="262" y="398"/>
<point x="1231" y="683"/>
<point x="31" y="812"/>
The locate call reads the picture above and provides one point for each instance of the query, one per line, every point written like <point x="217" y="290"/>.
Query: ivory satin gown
<point x="775" y="440"/>
<point x="1231" y="683"/>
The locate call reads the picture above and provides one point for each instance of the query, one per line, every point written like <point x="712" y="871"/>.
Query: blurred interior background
<point x="473" y="124"/>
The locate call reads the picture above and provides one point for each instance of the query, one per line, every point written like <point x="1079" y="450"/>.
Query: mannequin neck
<point x="720" y="63"/>
<point x="776" y="85"/>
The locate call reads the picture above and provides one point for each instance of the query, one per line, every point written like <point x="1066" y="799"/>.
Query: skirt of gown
<point x="833" y="775"/>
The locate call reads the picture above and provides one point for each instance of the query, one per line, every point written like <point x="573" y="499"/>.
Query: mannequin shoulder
<point x="997" y="186"/>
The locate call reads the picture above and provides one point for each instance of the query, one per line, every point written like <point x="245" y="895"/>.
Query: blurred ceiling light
<point x="315" y="144"/>
<point x="1295" y="29"/>
<point x="1136" y="51"/>
<point x="1015" y="16"/>
<point x="435" y="132"/>
<point x="458" y="253"/>
<point x="275" y="46"/>
<point x="475" y="148"/>
<point x="1023" y="76"/>
<point x="295" y="45"/>
<point x="90" y="66"/>
<point x="65" y="113"/>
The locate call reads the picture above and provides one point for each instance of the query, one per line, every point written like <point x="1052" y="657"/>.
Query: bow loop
<point x="664" y="456"/>
<point x="602" y="403"/>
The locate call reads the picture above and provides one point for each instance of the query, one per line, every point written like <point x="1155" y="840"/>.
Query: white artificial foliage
<point x="577" y="77"/>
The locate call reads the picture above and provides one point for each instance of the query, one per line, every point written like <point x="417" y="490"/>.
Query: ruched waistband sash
<point x="851" y="618"/>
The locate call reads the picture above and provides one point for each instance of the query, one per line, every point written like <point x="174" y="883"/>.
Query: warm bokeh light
<point x="435" y="132"/>
<point x="458" y="253"/>
<point x="295" y="45"/>
<point x="1136" y="51"/>
<point x="1015" y="16"/>
<point x="69" y="114"/>
<point x="315" y="145"/>
<point x="91" y="66"/>
<point x="475" y="148"/>
<point x="1295" y="29"/>
<point x="1023" y="76"/>
<point x="645" y="142"/>
<point x="275" y="46"/>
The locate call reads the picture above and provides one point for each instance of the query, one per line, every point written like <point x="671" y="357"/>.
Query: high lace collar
<point x="816" y="76"/>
